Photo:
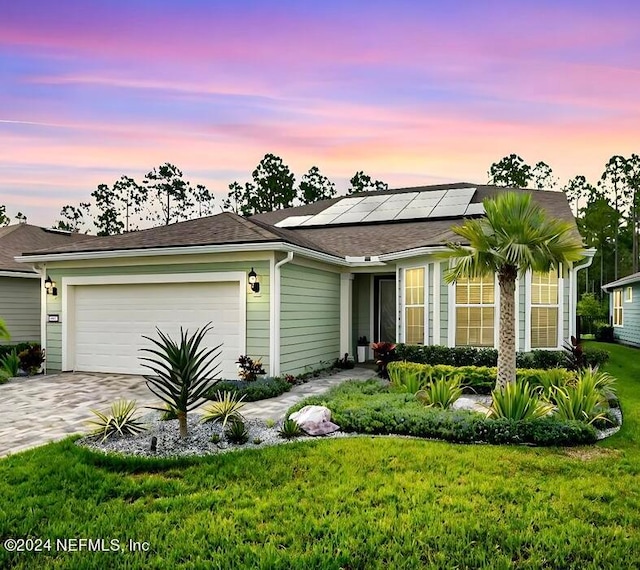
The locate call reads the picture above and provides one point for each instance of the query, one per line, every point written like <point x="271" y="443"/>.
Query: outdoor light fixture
<point x="253" y="281"/>
<point x="50" y="286"/>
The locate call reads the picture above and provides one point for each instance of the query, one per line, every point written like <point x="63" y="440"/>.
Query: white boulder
<point x="315" y="420"/>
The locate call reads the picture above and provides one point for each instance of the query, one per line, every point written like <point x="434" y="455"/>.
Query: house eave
<point x="20" y="274"/>
<point x="189" y="250"/>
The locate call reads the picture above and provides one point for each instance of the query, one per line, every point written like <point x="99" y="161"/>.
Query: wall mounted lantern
<point x="253" y="281"/>
<point x="50" y="286"/>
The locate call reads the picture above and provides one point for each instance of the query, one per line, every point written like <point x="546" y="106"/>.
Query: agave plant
<point x="441" y="393"/>
<point x="225" y="409"/>
<point x="237" y="432"/>
<point x="517" y="402"/>
<point x="290" y="429"/>
<point x="119" y="421"/>
<point x="184" y="372"/>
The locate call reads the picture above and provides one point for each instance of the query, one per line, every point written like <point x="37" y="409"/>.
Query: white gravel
<point x="197" y="443"/>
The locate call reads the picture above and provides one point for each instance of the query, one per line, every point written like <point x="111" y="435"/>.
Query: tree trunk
<point x="182" y="419"/>
<point x="507" y="334"/>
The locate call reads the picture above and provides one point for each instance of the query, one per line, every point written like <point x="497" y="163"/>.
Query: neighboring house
<point x="624" y="308"/>
<point x="328" y="273"/>
<point x="20" y="285"/>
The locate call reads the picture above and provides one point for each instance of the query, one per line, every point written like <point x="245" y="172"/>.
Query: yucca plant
<point x="10" y="364"/>
<point x="517" y="402"/>
<point x="184" y="372"/>
<point x="441" y="393"/>
<point x="585" y="399"/>
<point x="120" y="420"/>
<point x="290" y="429"/>
<point x="225" y="409"/>
<point x="237" y="432"/>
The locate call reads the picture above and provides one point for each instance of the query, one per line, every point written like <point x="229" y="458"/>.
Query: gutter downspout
<point x="275" y="307"/>
<point x="573" y="290"/>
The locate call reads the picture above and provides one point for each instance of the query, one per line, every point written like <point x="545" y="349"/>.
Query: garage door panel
<point x="110" y="321"/>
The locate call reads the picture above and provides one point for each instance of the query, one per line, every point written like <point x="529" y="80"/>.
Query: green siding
<point x="309" y="318"/>
<point x="361" y="315"/>
<point x="444" y="307"/>
<point x="257" y="326"/>
<point x="565" y="308"/>
<point x="20" y="308"/>
<point x="629" y="332"/>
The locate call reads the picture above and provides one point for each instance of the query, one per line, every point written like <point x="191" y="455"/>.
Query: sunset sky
<point x="411" y="92"/>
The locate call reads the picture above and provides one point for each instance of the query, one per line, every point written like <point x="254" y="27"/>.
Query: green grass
<point x="351" y="503"/>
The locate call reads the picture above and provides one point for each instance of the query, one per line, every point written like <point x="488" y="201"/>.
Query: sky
<point x="411" y="92"/>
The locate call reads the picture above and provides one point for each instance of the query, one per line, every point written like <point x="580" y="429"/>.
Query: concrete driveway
<point x="40" y="409"/>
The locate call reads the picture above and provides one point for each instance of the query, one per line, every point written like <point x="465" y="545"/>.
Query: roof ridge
<point x="254" y="225"/>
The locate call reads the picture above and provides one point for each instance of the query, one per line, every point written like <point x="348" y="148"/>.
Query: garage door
<point x="110" y="320"/>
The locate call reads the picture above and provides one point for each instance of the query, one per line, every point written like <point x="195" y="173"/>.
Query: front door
<point x="385" y="309"/>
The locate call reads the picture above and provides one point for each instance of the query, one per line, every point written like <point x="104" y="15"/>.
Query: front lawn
<point x="346" y="503"/>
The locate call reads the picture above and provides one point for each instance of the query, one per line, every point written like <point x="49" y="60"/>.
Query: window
<point x="475" y="311"/>
<point x="628" y="295"/>
<point x="617" y="308"/>
<point x="414" y="306"/>
<point x="544" y="310"/>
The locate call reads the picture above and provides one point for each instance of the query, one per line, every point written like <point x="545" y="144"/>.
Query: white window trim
<point x="530" y="305"/>
<point x="68" y="285"/>
<point x="496" y="314"/>
<point x="401" y="332"/>
<point x="621" y="307"/>
<point x="628" y="289"/>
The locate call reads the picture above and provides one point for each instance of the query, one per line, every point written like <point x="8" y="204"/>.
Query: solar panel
<point x="430" y="204"/>
<point x="292" y="221"/>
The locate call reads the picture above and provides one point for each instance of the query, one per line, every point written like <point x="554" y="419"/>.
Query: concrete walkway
<point x="41" y="409"/>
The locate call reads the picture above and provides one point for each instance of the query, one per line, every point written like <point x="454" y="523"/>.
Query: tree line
<point x="165" y="197"/>
<point x="607" y="211"/>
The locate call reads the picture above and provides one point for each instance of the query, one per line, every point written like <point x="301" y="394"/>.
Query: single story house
<point x="624" y="308"/>
<point x="296" y="287"/>
<point x="21" y="290"/>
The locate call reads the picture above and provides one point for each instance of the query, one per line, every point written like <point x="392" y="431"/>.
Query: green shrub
<point x="410" y="382"/>
<point x="368" y="407"/>
<point x="120" y="420"/>
<point x="10" y="364"/>
<point x="604" y="333"/>
<point x="595" y="357"/>
<point x="260" y="389"/>
<point x="441" y="393"/>
<point x="8" y="348"/>
<point x="517" y="402"/>
<point x="476" y="379"/>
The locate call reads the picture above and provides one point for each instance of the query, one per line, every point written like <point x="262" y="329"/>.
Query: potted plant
<point x="363" y="344"/>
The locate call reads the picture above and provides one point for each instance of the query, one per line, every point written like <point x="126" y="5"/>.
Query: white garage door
<point x="110" y="320"/>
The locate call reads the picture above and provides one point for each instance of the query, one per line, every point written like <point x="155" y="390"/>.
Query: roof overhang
<point x="21" y="274"/>
<point x="189" y="250"/>
<point x="621" y="282"/>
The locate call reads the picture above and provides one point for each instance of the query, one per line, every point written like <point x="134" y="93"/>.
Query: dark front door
<point x="385" y="309"/>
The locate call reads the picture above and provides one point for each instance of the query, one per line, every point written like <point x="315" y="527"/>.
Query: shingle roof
<point x="18" y="238"/>
<point x="346" y="240"/>
<point x="628" y="280"/>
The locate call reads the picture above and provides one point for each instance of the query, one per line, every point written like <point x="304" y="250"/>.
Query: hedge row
<point x="469" y="356"/>
<point x="260" y="389"/>
<point x="7" y="348"/>
<point x="368" y="407"/>
<point x="478" y="379"/>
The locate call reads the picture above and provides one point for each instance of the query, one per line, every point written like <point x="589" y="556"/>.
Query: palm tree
<point x="516" y="235"/>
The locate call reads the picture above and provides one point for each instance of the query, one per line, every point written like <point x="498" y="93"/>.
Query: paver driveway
<point x="43" y="408"/>
<point x="40" y="409"/>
